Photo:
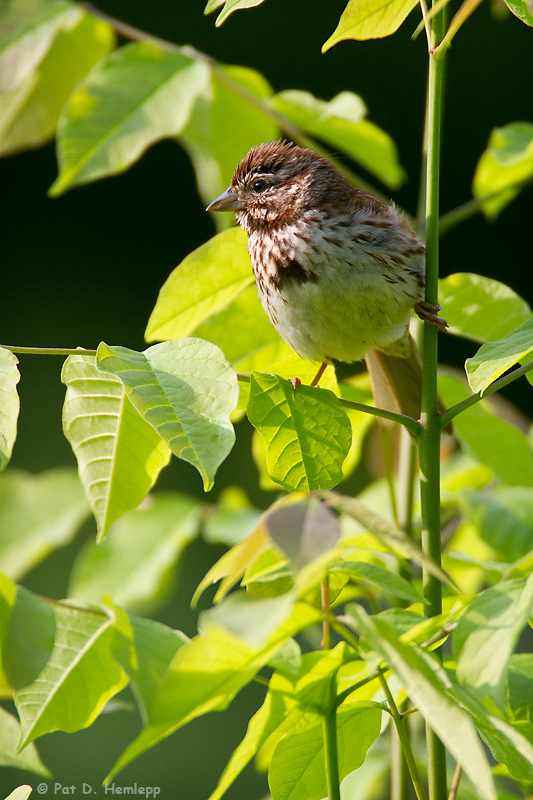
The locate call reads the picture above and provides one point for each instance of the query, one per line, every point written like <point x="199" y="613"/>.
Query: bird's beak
<point x="228" y="201"/>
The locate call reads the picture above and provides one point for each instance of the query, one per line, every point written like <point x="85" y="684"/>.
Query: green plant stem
<point x="330" y="744"/>
<point x="429" y="439"/>
<point x="452" y="412"/>
<point x="399" y="783"/>
<point x="326" y="624"/>
<point x="474" y="206"/>
<point x="50" y="351"/>
<point x="455" y="781"/>
<point x="404" y="740"/>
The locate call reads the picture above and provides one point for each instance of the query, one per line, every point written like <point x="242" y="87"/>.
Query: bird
<point x="339" y="273"/>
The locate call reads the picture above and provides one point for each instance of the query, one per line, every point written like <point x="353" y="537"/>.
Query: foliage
<point x="315" y="556"/>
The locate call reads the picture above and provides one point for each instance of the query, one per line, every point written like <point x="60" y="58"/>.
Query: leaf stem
<point x="452" y="412"/>
<point x="404" y="740"/>
<point x="472" y="207"/>
<point x="331" y="755"/>
<point x="49" y="351"/>
<point x="455" y="781"/>
<point x="411" y="424"/>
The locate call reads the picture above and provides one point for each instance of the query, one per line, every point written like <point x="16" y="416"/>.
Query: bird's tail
<point x="397" y="381"/>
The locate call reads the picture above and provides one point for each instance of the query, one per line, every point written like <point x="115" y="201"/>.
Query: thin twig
<point x="472" y="207"/>
<point x="452" y="412"/>
<point x="289" y="129"/>
<point x="404" y="739"/>
<point x="49" y="351"/>
<point x="455" y="781"/>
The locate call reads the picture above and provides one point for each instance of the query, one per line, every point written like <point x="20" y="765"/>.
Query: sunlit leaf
<point x="186" y="390"/>
<point x="393" y="537"/>
<point x="205" y="675"/>
<point x="521" y="9"/>
<point x="494" y="358"/>
<point x="9" y="404"/>
<point x="307" y="432"/>
<point x="27" y="30"/>
<point x="29" y="113"/>
<point x="28" y="758"/>
<point x="487" y="635"/>
<point x="297" y="770"/>
<point x="119" y="454"/>
<point x="481" y="308"/>
<point x="229" y="6"/>
<point x="80" y="666"/>
<point x="340" y="122"/>
<point x="370" y="19"/>
<point x="503" y="519"/>
<point x="302" y="530"/>
<point x="492" y="441"/>
<point x="505" y="165"/>
<point x="136" y="562"/>
<point x="38" y="513"/>
<point x="451" y="724"/>
<point x="202" y="285"/>
<point x="379" y="578"/>
<point x="146" y="653"/>
<point x="136" y="96"/>
<point x="20" y="793"/>
<point x="222" y="127"/>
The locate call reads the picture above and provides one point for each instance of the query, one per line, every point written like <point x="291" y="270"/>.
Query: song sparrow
<point x="339" y="273"/>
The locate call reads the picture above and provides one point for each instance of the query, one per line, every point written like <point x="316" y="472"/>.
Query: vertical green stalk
<point x="330" y="744"/>
<point x="429" y="441"/>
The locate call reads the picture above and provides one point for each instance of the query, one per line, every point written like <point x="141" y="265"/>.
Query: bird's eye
<point x="259" y="185"/>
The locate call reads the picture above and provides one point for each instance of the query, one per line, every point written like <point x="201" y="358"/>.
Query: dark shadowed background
<point x="87" y="267"/>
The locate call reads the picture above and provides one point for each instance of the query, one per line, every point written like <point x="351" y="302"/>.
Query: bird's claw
<point x="428" y="313"/>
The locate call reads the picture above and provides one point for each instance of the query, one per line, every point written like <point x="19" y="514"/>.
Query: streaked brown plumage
<point x="339" y="273"/>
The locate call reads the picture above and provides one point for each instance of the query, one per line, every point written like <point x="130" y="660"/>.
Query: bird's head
<point x="276" y="183"/>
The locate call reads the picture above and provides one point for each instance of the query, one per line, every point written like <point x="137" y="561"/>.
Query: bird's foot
<point x="428" y="313"/>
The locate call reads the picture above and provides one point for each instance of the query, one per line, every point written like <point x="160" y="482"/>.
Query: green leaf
<point x="186" y="390"/>
<point x="505" y="165"/>
<point x="146" y="654"/>
<point x="370" y="19"/>
<point x="222" y="127"/>
<point x="29" y="113"/>
<point x="307" y="432"/>
<point x="28" y="758"/>
<point x="451" y="724"/>
<point x="480" y="308"/>
<point x="136" y="96"/>
<point x="520" y="687"/>
<point x="27" y="30"/>
<point x="29" y="638"/>
<point x="521" y="9"/>
<point x="380" y="578"/>
<point x="9" y="405"/>
<point x="494" y="358"/>
<point x="204" y="676"/>
<point x="487" y="635"/>
<point x="136" y="563"/>
<point x="80" y="666"/>
<point x="119" y="454"/>
<point x="503" y="519"/>
<point x="340" y="122"/>
<point x="202" y="285"/>
<point x="20" y="793"/>
<point x="38" y="513"/>
<point x="229" y="7"/>
<point x="292" y="702"/>
<point x="394" y="538"/>
<point x="297" y="770"/>
<point x="494" y="442"/>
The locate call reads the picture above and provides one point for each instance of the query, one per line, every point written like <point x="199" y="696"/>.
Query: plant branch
<point x="331" y="755"/>
<point x="452" y="412"/>
<point x="472" y="207"/>
<point x="455" y="781"/>
<point x="289" y="129"/>
<point x="49" y="351"/>
<point x="404" y="739"/>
